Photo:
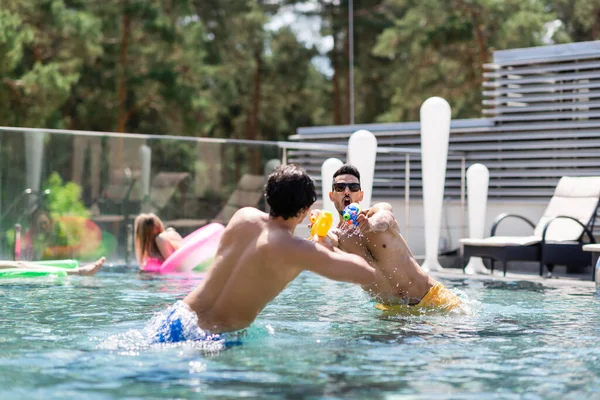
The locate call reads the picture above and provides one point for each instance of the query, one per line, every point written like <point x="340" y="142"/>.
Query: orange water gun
<point x="321" y="223"/>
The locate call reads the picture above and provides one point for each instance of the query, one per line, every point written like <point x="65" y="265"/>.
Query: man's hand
<point x="325" y="241"/>
<point x="330" y="241"/>
<point x="364" y="225"/>
<point x="333" y="235"/>
<point x="377" y="222"/>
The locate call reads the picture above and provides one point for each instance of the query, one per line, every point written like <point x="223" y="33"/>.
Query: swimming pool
<point x="79" y="337"/>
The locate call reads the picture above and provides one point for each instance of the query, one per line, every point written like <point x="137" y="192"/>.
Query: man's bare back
<point x="247" y="273"/>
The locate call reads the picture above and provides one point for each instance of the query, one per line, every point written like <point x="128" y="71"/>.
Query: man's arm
<point x="378" y="218"/>
<point x="336" y="265"/>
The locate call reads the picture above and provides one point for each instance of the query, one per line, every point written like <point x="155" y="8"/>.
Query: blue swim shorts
<point x="179" y="323"/>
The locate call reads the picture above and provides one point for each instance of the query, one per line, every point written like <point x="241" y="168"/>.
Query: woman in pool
<point x="153" y="243"/>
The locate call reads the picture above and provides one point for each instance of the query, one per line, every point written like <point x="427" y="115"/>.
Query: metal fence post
<point x="463" y="180"/>
<point x="17" y="252"/>
<point x="129" y="249"/>
<point x="406" y="195"/>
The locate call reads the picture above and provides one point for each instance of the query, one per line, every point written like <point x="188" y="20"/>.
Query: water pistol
<point x="321" y="222"/>
<point x="350" y="213"/>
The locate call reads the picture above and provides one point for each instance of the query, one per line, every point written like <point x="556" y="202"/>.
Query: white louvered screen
<point x="543" y="122"/>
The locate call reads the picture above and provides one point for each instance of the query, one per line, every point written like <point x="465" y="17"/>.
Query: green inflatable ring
<point x="29" y="273"/>
<point x="68" y="264"/>
<point x="203" y="265"/>
<point x="35" y="273"/>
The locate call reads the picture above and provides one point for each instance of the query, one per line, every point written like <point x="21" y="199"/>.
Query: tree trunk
<point x="236" y="164"/>
<point x="348" y="83"/>
<point x="117" y="144"/>
<point x="79" y="146"/>
<point x="337" y="106"/>
<point x="596" y="26"/>
<point x="481" y="43"/>
<point x="254" y="121"/>
<point x="122" y="88"/>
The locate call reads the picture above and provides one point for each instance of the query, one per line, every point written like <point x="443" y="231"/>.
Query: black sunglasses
<point x="340" y="187"/>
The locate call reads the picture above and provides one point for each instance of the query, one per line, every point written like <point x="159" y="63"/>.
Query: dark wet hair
<point x="347" y="169"/>
<point x="289" y="190"/>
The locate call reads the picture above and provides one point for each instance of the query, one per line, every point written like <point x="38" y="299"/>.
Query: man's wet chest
<point x="356" y="244"/>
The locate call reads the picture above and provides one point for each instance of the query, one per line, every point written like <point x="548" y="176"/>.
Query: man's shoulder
<point x="247" y="214"/>
<point x="250" y="211"/>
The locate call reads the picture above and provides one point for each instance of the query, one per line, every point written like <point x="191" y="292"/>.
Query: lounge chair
<point x="125" y="198"/>
<point x="162" y="189"/>
<point x="117" y="200"/>
<point x="558" y="237"/>
<point x="248" y="192"/>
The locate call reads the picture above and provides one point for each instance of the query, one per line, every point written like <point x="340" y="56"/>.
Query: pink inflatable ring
<point x="196" y="253"/>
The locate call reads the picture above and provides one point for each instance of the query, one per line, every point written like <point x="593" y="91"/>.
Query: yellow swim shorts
<point x="438" y="298"/>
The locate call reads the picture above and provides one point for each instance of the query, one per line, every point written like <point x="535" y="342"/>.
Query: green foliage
<point x="43" y="46"/>
<point x="580" y="19"/>
<point x="12" y="39"/>
<point x="439" y="48"/>
<point x="64" y="198"/>
<point x="214" y="68"/>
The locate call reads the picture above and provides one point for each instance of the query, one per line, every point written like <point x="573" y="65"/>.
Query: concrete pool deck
<point x="560" y="278"/>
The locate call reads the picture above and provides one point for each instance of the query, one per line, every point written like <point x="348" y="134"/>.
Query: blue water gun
<point x="350" y="213"/>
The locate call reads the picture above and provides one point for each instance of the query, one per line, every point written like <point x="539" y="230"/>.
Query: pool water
<point x="83" y="338"/>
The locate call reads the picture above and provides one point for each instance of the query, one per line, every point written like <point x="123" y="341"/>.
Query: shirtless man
<point x="84" y="270"/>
<point x="258" y="256"/>
<point x="399" y="280"/>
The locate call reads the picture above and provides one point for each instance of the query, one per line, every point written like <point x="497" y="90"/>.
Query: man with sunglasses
<point x="400" y="283"/>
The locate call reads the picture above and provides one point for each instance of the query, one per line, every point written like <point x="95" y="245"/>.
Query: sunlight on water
<point x="89" y="338"/>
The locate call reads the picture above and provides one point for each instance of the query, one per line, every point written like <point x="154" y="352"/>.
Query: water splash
<point x="350" y="230"/>
<point x="136" y="341"/>
<point x="470" y="305"/>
